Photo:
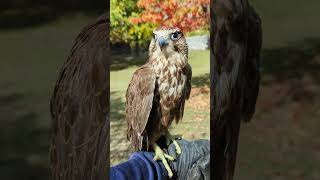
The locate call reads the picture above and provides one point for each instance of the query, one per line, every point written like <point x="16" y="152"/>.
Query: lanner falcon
<point x="157" y="92"/>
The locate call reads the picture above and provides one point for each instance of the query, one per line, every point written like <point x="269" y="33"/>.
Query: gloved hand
<point x="194" y="161"/>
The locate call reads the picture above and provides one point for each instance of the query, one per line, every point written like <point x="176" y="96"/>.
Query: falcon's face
<point x="168" y="41"/>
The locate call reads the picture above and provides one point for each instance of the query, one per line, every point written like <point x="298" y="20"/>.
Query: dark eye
<point x="154" y="36"/>
<point x="175" y="36"/>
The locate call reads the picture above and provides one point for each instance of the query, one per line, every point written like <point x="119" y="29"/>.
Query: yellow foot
<point x="172" y="138"/>
<point x="160" y="155"/>
<point x="178" y="149"/>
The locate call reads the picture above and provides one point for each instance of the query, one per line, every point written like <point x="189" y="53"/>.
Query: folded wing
<point x="139" y="100"/>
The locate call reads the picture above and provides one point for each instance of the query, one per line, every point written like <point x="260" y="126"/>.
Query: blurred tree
<point x="188" y="15"/>
<point x="132" y="21"/>
<point x="122" y="29"/>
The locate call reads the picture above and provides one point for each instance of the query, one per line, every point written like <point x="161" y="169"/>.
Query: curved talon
<point x="160" y="155"/>
<point x="168" y="157"/>
<point x="173" y="139"/>
<point x="178" y="149"/>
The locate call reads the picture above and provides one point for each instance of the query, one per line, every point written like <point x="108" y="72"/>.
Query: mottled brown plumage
<point x="79" y="108"/>
<point x="157" y="91"/>
<point x="236" y="38"/>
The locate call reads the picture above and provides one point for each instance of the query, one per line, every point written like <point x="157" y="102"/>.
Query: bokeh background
<point x="35" y="39"/>
<point x="132" y="23"/>
<point x="282" y="141"/>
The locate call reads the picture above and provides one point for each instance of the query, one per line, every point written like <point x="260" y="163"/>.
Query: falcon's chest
<point x="171" y="79"/>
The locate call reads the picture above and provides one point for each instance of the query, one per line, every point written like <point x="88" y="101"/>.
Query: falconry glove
<point x="193" y="163"/>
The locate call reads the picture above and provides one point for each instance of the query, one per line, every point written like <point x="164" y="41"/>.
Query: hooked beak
<point x="162" y="42"/>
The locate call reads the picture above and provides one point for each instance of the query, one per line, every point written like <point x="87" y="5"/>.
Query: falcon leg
<point x="160" y="155"/>
<point x="172" y="138"/>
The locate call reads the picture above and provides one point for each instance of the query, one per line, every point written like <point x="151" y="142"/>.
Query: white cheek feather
<point x="171" y="52"/>
<point x="157" y="53"/>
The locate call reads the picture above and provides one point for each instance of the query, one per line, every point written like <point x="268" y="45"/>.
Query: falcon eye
<point x="175" y="36"/>
<point x="154" y="36"/>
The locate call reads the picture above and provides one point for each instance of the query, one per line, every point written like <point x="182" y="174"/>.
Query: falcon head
<point x="168" y="41"/>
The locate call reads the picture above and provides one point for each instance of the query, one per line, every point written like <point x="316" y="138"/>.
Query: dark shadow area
<point x="292" y="62"/>
<point x="120" y="62"/>
<point x="123" y="56"/>
<point x="24" y="143"/>
<point x="202" y="80"/>
<point x="29" y="13"/>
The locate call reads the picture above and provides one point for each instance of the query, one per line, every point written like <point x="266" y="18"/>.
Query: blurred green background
<point x="281" y="142"/>
<point x="283" y="139"/>
<point x="35" y="39"/>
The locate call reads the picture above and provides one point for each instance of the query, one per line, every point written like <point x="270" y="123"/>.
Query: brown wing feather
<point x="80" y="106"/>
<point x="139" y="98"/>
<point x="189" y="77"/>
<point x="252" y="65"/>
<point x="179" y="114"/>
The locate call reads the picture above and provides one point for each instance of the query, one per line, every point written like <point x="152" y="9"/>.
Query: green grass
<point x="119" y="80"/>
<point x="199" y="61"/>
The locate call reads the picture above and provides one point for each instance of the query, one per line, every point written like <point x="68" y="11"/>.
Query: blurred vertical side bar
<point x="80" y="105"/>
<point x="235" y="43"/>
<point x="211" y="28"/>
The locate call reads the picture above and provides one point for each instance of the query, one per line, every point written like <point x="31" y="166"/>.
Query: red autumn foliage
<point x="188" y="15"/>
